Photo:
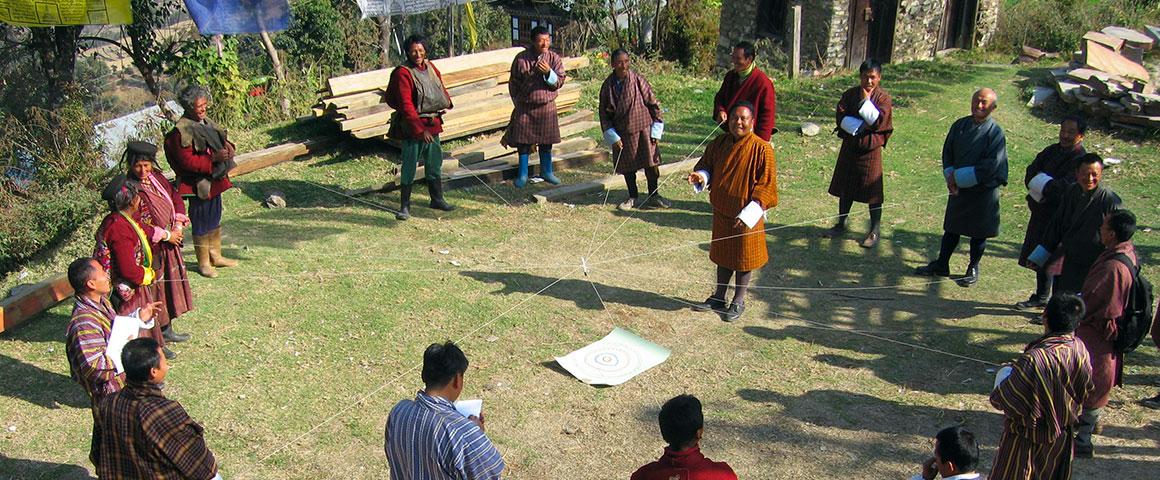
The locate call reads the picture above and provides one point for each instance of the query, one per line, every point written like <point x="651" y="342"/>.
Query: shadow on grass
<point x="22" y="469"/>
<point x="580" y="292"/>
<point x="38" y="386"/>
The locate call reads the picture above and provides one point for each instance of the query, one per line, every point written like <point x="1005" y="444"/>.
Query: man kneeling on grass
<point x="427" y="438"/>
<point x="956" y="454"/>
<point x="682" y="425"/>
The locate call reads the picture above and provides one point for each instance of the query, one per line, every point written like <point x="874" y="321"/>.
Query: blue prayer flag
<point x="239" y="16"/>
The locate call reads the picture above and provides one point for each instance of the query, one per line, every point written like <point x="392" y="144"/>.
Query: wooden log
<point x="492" y="148"/>
<point x="567" y="191"/>
<point x="361" y="82"/>
<point x="472" y="75"/>
<point x="32" y="300"/>
<point x="1150" y="121"/>
<point x="1102" y="58"/>
<point x="499" y="174"/>
<point x="1032" y="52"/>
<point x="355" y="100"/>
<point x="1130" y="37"/>
<point x="256" y="160"/>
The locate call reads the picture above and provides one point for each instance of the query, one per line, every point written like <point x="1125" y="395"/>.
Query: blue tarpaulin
<point x="239" y="16"/>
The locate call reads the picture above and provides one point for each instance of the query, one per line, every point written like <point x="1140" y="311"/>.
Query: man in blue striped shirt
<point x="427" y="438"/>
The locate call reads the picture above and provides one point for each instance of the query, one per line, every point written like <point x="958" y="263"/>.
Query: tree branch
<point x="119" y="45"/>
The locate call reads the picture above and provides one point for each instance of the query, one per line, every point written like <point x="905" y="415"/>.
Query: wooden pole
<point x="385" y="40"/>
<point x="451" y="30"/>
<point x="279" y="71"/>
<point x="796" y="59"/>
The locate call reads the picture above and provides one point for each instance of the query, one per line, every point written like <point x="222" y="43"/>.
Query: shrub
<point x="689" y="33"/>
<point x="314" y="36"/>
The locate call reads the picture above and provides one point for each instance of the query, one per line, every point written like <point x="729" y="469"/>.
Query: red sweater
<point x="401" y="97"/>
<point x="687" y="464"/>
<point x="189" y="166"/>
<point x="756" y="89"/>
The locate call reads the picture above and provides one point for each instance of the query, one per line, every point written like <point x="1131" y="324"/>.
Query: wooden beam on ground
<point x="499" y="174"/>
<point x="32" y="300"/>
<point x="251" y="161"/>
<point x="568" y="191"/>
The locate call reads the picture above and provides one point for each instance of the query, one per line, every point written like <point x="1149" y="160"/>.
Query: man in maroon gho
<point x="682" y="425"/>
<point x="747" y="83"/>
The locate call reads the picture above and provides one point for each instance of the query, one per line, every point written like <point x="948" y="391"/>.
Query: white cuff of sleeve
<point x="658" y="129"/>
<point x="851" y="124"/>
<point x="551" y="78"/>
<point x="1036" y="185"/>
<point x="869" y="112"/>
<point x="611" y="137"/>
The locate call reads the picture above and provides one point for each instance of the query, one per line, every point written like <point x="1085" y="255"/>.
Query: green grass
<point x="300" y="352"/>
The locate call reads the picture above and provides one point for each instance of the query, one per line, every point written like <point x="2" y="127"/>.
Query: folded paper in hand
<point x="1036" y="185"/>
<point x="469" y="408"/>
<point x="125" y="328"/>
<point x="851" y="124"/>
<point x="751" y="214"/>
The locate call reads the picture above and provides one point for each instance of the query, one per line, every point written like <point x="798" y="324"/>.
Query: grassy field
<point x="844" y="364"/>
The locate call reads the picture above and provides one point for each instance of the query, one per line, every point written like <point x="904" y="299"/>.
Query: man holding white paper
<point x="1042" y="397"/>
<point x="740" y="171"/>
<point x="435" y="437"/>
<point x="1047" y="178"/>
<point x="89" y="336"/>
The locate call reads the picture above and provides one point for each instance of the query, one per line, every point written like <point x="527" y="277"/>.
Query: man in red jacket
<point x="746" y="82"/>
<point x="201" y="158"/>
<point x="417" y="94"/>
<point x="682" y="425"/>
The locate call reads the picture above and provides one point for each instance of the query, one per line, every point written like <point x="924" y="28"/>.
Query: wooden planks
<point x="378" y="79"/>
<point x="568" y="191"/>
<point x="32" y="300"/>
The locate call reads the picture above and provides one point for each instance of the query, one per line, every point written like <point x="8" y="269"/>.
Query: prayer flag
<point x="384" y="8"/>
<point x="231" y="17"/>
<point x="52" y="13"/>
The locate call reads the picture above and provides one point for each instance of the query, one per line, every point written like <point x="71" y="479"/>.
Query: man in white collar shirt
<point x="956" y="454"/>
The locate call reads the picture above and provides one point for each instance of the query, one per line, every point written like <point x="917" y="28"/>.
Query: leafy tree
<point x="315" y="35"/>
<point x="141" y="42"/>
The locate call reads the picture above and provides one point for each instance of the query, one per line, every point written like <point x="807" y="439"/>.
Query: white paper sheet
<point x="1036" y="185"/>
<point x="469" y="407"/>
<point x="614" y="359"/>
<point x="125" y="328"/>
<point x="851" y="124"/>
<point x="751" y="214"/>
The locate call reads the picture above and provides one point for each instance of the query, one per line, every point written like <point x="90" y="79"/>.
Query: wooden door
<point x="880" y="40"/>
<point x="861" y="14"/>
<point x="958" y="25"/>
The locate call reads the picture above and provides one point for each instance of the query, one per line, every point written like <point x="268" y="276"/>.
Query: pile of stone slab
<point x="1108" y="80"/>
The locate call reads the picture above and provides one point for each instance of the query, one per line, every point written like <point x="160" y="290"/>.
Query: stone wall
<point x="738" y="22"/>
<point x="988" y="21"/>
<point x="916" y="29"/>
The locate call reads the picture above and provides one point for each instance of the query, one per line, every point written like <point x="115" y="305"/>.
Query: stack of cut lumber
<point x="477" y="84"/>
<point x="1108" y="79"/>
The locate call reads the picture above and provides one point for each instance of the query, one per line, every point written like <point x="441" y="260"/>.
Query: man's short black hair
<point x="870" y="65"/>
<point x="616" y="53"/>
<point x="1123" y="224"/>
<point x="1080" y="124"/>
<point x="139" y="357"/>
<point x="680" y="418"/>
<point x="958" y="446"/>
<point x="79" y="272"/>
<point x="441" y="363"/>
<point x="1063" y="313"/>
<point x="412" y="40"/>
<point x="1088" y="159"/>
<point x="540" y="30"/>
<point x="743" y="103"/>
<point x="747" y="48"/>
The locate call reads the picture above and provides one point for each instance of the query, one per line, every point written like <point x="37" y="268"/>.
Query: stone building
<point x="843" y="33"/>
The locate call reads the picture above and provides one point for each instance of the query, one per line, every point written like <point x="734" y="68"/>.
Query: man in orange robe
<point x="740" y="172"/>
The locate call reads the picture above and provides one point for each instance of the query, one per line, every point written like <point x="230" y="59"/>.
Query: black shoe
<point x="1153" y="403"/>
<point x="1033" y="303"/>
<point x="404" y="203"/>
<point x="734" y="312"/>
<point x="933" y="269"/>
<point x="714" y="304"/>
<point x="657" y="201"/>
<point x="836" y="231"/>
<point x="171" y="336"/>
<point x="970" y="278"/>
<point x="169" y="354"/>
<point x="1085" y="451"/>
<point x="437" y="202"/>
<point x="870" y="240"/>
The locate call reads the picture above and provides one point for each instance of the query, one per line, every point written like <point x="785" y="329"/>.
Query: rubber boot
<point x="171" y="335"/>
<point x="436" y="189"/>
<point x="404" y="203"/>
<point x="215" y="251"/>
<point x="522" y="177"/>
<point x="201" y="248"/>
<point x="1083" y="435"/>
<point x="546" y="168"/>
